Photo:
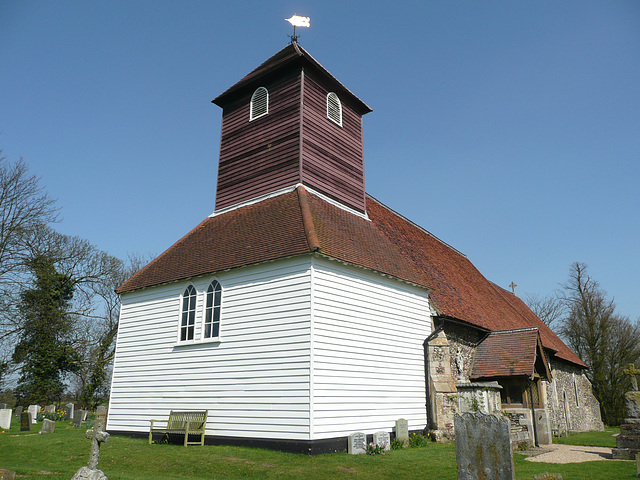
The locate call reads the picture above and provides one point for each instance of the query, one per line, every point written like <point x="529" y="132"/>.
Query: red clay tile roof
<point x="506" y="354"/>
<point x="298" y="223"/>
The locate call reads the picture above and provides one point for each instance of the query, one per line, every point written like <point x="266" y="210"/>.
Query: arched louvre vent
<point x="334" y="108"/>
<point x="259" y="103"/>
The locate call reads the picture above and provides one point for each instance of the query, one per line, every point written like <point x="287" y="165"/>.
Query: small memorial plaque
<point x="382" y="439"/>
<point x="357" y="443"/>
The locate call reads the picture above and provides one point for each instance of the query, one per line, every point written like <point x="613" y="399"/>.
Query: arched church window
<point x="259" y="103"/>
<point x="334" y="108"/>
<point x="213" y="302"/>
<point x="188" y="314"/>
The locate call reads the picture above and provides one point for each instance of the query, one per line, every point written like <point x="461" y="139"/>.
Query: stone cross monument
<point x="633" y="372"/>
<point x="97" y="435"/>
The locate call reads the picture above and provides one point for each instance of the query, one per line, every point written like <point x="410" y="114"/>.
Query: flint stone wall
<point x="579" y="413"/>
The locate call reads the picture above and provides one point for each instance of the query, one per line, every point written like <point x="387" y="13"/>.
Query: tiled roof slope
<point x="298" y="222"/>
<point x="505" y="354"/>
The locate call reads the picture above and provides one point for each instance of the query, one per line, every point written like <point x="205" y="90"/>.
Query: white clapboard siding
<point x="367" y="354"/>
<point x="255" y="382"/>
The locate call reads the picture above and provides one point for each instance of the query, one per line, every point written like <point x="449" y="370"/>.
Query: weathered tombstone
<point x="5" y="418"/>
<point x="483" y="447"/>
<point x="68" y="411"/>
<point x="402" y="430"/>
<point x="7" y="474"/>
<point x="79" y="417"/>
<point x="97" y="435"/>
<point x="48" y="426"/>
<point x="33" y="410"/>
<point x="357" y="443"/>
<point x="382" y="439"/>
<point x="3" y="406"/>
<point x="101" y="408"/>
<point x="19" y="411"/>
<point x="50" y="409"/>
<point x="25" y="421"/>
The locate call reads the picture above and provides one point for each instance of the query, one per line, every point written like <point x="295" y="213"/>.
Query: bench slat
<point x="186" y="422"/>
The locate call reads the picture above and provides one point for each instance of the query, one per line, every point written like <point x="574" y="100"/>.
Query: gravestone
<point x="7" y="474"/>
<point x="50" y="409"/>
<point x="68" y="411"/>
<point x="19" y="411"/>
<point x="483" y="447"/>
<point x="628" y="441"/>
<point x="402" y="430"/>
<point x="3" y="406"/>
<point x="48" y="426"/>
<point x="25" y="421"/>
<point x="33" y="410"/>
<point x="97" y="435"/>
<point x="357" y="443"/>
<point x="5" y="418"/>
<point x="382" y="439"/>
<point x="79" y="416"/>
<point x="101" y="408"/>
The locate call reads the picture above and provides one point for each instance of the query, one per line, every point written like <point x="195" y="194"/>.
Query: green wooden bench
<point x="180" y="422"/>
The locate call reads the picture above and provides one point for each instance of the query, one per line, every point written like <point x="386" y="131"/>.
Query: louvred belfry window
<point x="259" y="103"/>
<point x="334" y="108"/>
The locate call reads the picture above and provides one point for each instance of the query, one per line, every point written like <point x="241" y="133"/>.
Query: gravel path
<point x="558" y="453"/>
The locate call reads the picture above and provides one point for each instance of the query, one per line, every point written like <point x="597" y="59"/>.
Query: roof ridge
<point x="307" y="219"/>
<point x="416" y="225"/>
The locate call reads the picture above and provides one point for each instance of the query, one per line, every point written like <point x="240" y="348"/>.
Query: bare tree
<point x="606" y="341"/>
<point x="549" y="309"/>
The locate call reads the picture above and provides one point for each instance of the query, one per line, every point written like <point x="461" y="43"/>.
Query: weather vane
<point x="297" y="21"/>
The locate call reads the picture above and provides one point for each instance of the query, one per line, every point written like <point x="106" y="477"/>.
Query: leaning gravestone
<point x="25" y="421"/>
<point x="48" y="426"/>
<point x="5" y="418"/>
<point x="483" y="447"/>
<point x="97" y="435"/>
<point x="78" y="417"/>
<point x="402" y="430"/>
<point x="33" y="410"/>
<point x="68" y="411"/>
<point x="382" y="439"/>
<point x="357" y="443"/>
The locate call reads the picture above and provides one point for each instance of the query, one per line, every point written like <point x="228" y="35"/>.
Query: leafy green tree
<point x="44" y="349"/>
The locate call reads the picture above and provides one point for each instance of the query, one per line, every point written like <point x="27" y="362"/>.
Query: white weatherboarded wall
<point x="310" y="349"/>
<point x="367" y="354"/>
<point x="255" y="382"/>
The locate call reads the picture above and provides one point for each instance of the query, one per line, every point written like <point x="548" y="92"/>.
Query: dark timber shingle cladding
<point x="298" y="223"/>
<point x="507" y="353"/>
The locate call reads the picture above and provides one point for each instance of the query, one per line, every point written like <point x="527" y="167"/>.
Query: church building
<point x="303" y="309"/>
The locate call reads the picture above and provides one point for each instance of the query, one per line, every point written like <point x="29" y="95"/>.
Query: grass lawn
<point x="60" y="454"/>
<point x="592" y="439"/>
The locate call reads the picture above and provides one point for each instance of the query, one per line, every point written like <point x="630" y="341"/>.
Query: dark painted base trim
<point x="308" y="447"/>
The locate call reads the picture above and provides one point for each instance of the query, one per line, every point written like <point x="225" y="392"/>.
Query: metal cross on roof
<point x="513" y="286"/>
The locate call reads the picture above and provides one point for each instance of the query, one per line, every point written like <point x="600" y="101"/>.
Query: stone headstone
<point x="25" y="421"/>
<point x="543" y="427"/>
<point x="382" y="439"/>
<point x="7" y="474"/>
<point x="33" y="410"/>
<point x="402" y="430"/>
<point x="48" y="426"/>
<point x="68" y="411"/>
<point x="357" y="443"/>
<point x="5" y="418"/>
<point x="19" y="411"/>
<point x="483" y="447"/>
<point x="97" y="435"/>
<point x="79" y="417"/>
<point x="3" y="406"/>
<point x="101" y="408"/>
<point x="50" y="409"/>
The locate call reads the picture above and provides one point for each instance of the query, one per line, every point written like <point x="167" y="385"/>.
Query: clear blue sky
<point x="511" y="130"/>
